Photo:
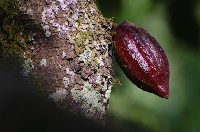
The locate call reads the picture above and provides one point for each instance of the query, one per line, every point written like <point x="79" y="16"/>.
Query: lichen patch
<point x="59" y="95"/>
<point x="86" y="56"/>
<point x="90" y="98"/>
<point x="66" y="82"/>
<point x="43" y="62"/>
<point x="27" y="67"/>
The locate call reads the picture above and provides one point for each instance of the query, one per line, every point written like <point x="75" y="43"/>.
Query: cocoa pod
<point x="142" y="59"/>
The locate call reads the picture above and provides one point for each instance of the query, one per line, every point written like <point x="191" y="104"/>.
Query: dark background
<point x="176" y="26"/>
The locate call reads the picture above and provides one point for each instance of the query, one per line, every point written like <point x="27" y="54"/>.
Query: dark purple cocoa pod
<point x="142" y="59"/>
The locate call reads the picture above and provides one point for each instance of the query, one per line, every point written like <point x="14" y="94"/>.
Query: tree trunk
<point x="66" y="47"/>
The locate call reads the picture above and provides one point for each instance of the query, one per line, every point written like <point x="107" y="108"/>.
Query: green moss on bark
<point x="11" y="40"/>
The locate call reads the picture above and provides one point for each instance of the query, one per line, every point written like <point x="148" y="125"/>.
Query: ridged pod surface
<point x="142" y="59"/>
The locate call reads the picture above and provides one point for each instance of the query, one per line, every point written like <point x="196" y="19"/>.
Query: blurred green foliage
<point x="177" y="28"/>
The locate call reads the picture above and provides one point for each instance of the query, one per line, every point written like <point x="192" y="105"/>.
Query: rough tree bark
<point x="65" y="46"/>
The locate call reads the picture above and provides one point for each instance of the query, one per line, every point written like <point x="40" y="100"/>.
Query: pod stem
<point x="114" y="25"/>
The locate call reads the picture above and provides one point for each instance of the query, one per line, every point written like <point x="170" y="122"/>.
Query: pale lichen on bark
<point x="69" y="53"/>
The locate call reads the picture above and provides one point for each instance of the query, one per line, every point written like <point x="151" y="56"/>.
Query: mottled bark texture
<point x="65" y="46"/>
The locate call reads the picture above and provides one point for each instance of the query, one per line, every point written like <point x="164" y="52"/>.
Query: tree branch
<point x="65" y="44"/>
